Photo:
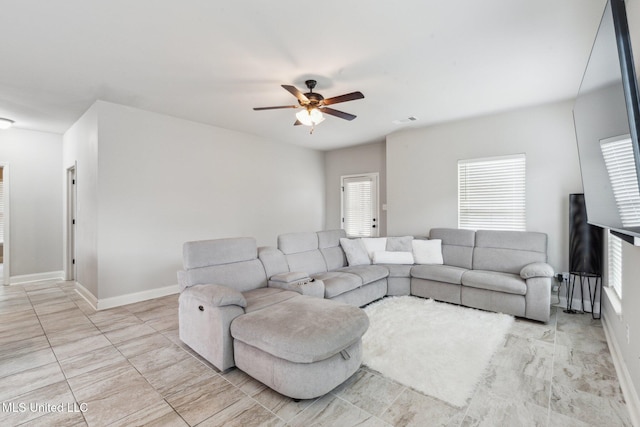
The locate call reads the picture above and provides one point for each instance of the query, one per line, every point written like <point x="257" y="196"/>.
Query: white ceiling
<point x="212" y="61"/>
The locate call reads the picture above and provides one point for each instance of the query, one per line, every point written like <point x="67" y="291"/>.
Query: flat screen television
<point x="607" y="123"/>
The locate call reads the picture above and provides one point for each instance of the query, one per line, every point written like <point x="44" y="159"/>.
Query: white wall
<point x="35" y="160"/>
<point x="422" y="170"/>
<point x="81" y="151"/>
<point x="162" y="181"/>
<point x="369" y="158"/>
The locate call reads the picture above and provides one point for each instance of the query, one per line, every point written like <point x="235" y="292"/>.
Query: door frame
<point x="6" y="249"/>
<point x="71" y="214"/>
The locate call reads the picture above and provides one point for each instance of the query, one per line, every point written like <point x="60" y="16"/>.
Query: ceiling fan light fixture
<point x="5" y="123"/>
<point x="310" y="117"/>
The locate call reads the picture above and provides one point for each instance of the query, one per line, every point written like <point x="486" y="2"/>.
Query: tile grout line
<point x="66" y="379"/>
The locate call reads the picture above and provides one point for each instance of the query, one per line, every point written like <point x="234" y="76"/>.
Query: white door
<point x="360" y="205"/>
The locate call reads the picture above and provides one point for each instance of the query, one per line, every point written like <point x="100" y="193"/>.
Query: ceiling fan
<point x="314" y="105"/>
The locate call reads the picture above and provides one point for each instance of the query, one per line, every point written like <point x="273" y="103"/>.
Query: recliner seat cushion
<point x="495" y="281"/>
<point x="302" y="329"/>
<point x="368" y="273"/>
<point x="439" y="273"/>
<point x="257" y="299"/>
<point x="338" y="282"/>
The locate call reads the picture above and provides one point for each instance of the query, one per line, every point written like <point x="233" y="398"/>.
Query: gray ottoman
<point x="302" y="347"/>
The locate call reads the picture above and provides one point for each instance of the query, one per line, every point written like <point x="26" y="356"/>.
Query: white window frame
<point x="492" y="193"/>
<point x="373" y="229"/>
<point x="615" y="260"/>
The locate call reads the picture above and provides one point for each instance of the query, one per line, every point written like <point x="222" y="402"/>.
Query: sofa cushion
<point x="457" y="246"/>
<point x="302" y="329"/>
<point x="241" y="276"/>
<point x="330" y="238"/>
<point x="204" y="253"/>
<point x="258" y="299"/>
<point x="427" y="251"/>
<point x="292" y="243"/>
<point x="374" y="244"/>
<point x="398" y="270"/>
<point x="508" y="251"/>
<point x="438" y="273"/>
<point x="338" y="282"/>
<point x="329" y="244"/>
<point x="399" y="244"/>
<point x="392" y="257"/>
<point x="355" y="251"/>
<point x="368" y="273"/>
<point x="334" y="257"/>
<point x="495" y="281"/>
<point x="310" y="261"/>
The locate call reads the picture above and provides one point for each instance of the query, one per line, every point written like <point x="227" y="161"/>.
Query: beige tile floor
<point x="62" y="363"/>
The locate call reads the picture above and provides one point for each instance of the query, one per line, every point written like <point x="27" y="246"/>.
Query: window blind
<point x="615" y="263"/>
<point x="621" y="167"/>
<point x="491" y="193"/>
<point x="358" y="206"/>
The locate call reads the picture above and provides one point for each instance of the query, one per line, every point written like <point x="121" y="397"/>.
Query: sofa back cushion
<point x="302" y="252"/>
<point x="329" y="244"/>
<point x="229" y="262"/>
<point x="457" y="246"/>
<point x="508" y="251"/>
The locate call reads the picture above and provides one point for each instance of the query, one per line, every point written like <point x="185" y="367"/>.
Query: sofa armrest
<point x="298" y="281"/>
<point x="536" y="269"/>
<point x="216" y="295"/>
<point x="183" y="282"/>
<point x="290" y="277"/>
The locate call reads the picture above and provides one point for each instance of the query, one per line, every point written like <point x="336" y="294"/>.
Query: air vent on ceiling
<point x="409" y="119"/>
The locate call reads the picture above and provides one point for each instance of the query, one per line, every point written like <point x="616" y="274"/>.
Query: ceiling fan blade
<point x="275" y="108"/>
<point x="338" y="113"/>
<point x="295" y="92"/>
<point x="343" y="98"/>
<point x="297" y="123"/>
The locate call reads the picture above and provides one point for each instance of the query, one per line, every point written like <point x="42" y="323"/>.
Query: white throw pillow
<point x="392" y="257"/>
<point x="355" y="251"/>
<point x="374" y="244"/>
<point x="427" y="251"/>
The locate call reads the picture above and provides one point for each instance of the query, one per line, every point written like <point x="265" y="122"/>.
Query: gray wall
<point x="161" y="181"/>
<point x="422" y="170"/>
<point x="369" y="158"/>
<point x="35" y="162"/>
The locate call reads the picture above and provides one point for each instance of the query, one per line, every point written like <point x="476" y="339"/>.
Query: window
<point x="491" y="193"/>
<point x="615" y="263"/>
<point x="621" y="167"/>
<point x="360" y="205"/>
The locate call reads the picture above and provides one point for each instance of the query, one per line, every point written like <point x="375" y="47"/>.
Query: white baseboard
<point x="626" y="384"/>
<point x="88" y="296"/>
<point x="106" y="303"/>
<point x="576" y="304"/>
<point x="37" y="277"/>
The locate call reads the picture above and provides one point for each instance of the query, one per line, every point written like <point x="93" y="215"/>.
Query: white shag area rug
<point x="435" y="348"/>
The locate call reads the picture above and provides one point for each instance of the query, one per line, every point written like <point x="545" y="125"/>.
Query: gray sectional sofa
<point x="289" y="315"/>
